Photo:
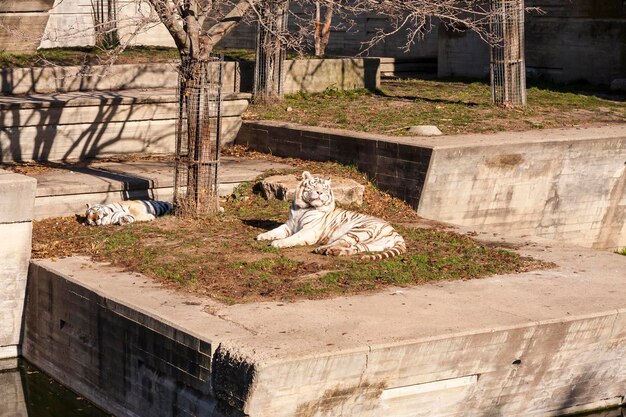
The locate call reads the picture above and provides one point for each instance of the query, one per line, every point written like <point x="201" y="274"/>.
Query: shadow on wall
<point x="61" y="127"/>
<point x="316" y="75"/>
<point x="87" y="78"/>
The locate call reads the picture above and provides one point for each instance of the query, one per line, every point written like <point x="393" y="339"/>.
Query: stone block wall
<point x="17" y="199"/>
<point x="581" y="40"/>
<point x="125" y="361"/>
<point x="394" y="165"/>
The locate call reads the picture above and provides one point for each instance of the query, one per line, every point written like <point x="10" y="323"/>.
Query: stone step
<point x="66" y="189"/>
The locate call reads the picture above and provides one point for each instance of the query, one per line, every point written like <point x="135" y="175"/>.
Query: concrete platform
<point x="65" y="190"/>
<point x="540" y="343"/>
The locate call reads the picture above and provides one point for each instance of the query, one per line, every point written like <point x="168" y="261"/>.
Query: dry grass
<point x="453" y="106"/>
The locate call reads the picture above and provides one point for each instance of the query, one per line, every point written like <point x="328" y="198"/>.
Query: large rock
<point x="425" y="130"/>
<point x="283" y="187"/>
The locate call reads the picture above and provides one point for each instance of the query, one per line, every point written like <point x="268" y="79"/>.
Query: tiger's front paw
<point x="265" y="236"/>
<point x="280" y="243"/>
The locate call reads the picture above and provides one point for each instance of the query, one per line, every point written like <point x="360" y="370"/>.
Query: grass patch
<point x="90" y="55"/>
<point x="218" y="256"/>
<point x="455" y="106"/>
<point x="621" y="252"/>
<point x="87" y="56"/>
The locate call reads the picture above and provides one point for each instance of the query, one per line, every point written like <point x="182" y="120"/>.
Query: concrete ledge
<point x="535" y="344"/>
<point x="310" y="75"/>
<point x="17" y="194"/>
<point x="564" y="184"/>
<point x="101" y="78"/>
<point x="17" y="197"/>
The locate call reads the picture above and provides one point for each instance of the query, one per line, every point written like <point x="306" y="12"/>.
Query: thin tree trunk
<point x="328" y="18"/>
<point x="322" y="30"/>
<point x="318" y="30"/>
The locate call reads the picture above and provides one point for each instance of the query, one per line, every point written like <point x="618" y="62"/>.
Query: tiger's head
<point x="314" y="192"/>
<point x="94" y="215"/>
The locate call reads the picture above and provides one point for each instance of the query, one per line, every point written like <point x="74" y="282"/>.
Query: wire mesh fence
<point x="508" y="69"/>
<point x="198" y="131"/>
<point x="271" y="52"/>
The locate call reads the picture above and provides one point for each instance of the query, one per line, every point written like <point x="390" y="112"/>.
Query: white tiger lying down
<point x="313" y="219"/>
<point x="125" y="212"/>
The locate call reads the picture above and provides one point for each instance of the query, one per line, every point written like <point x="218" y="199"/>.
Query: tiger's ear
<point x="306" y="175"/>
<point x="88" y="205"/>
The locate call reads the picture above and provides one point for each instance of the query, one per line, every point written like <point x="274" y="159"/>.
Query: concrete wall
<point x="346" y="40"/>
<point x="312" y="75"/>
<point x="125" y="361"/>
<point x="573" y="41"/>
<point x="567" y="185"/>
<point x="22" y="24"/>
<point x="71" y="23"/>
<point x="17" y="198"/>
<point x="90" y="125"/>
<point x="92" y="121"/>
<point x="315" y="75"/>
<point x="569" y="190"/>
<point x="547" y="369"/>
<point x="151" y="356"/>
<point x="101" y="78"/>
<point x="462" y="54"/>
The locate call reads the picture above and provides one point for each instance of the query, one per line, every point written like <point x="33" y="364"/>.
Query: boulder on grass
<point x="283" y="187"/>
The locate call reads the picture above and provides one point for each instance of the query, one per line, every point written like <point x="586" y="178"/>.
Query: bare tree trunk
<point x="198" y="137"/>
<point x="199" y="97"/>
<point x="322" y="29"/>
<point x="325" y="33"/>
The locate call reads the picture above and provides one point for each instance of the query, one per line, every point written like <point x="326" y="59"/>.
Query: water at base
<point x="28" y="392"/>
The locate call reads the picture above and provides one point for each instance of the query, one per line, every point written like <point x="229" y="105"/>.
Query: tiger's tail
<point x="398" y="249"/>
<point x="160" y="208"/>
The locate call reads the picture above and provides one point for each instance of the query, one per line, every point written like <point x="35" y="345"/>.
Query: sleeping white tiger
<point x="314" y="219"/>
<point x="125" y="212"/>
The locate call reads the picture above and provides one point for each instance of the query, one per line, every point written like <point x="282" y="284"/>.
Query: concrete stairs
<point x="96" y="124"/>
<point x="65" y="189"/>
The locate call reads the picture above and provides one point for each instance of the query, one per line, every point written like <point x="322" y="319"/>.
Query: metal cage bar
<point x="198" y="136"/>
<point x="508" y="69"/>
